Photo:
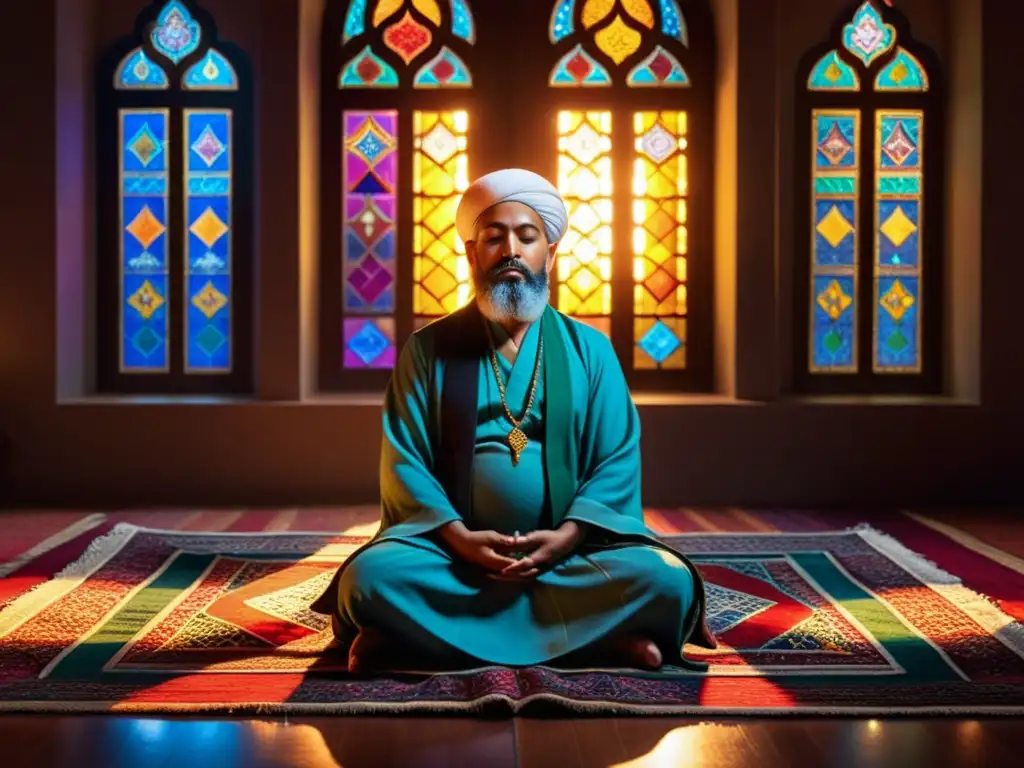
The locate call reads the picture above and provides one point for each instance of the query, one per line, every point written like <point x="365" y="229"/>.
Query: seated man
<point x="512" y="530"/>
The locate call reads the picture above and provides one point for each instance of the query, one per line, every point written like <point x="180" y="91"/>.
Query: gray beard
<point x="512" y="301"/>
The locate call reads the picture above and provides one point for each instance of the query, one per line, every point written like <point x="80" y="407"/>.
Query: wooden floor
<point x="115" y="741"/>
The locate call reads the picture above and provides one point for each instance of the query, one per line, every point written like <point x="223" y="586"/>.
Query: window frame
<point x="332" y="375"/>
<point x="865" y="381"/>
<point x="175" y="99"/>
<point x="698" y="101"/>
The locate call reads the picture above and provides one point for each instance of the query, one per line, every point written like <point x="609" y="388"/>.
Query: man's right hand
<point x="485" y="549"/>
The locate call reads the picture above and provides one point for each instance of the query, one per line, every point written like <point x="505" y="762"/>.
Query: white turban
<point x="512" y="185"/>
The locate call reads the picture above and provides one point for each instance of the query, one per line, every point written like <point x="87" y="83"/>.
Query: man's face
<point x="511" y="259"/>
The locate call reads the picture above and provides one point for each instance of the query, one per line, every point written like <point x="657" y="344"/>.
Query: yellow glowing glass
<point x="585" y="181"/>
<point x="641" y="11"/>
<point x="384" y="9"/>
<point x="430" y="9"/>
<point x="441" y="277"/>
<point x="618" y="40"/>
<point x="659" y="240"/>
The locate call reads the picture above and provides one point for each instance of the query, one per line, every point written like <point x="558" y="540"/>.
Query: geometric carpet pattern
<point x="106" y="615"/>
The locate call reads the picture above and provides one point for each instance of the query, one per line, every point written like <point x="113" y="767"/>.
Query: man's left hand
<point x="544" y="548"/>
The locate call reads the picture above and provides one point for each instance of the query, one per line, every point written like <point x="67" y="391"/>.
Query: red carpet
<point x="98" y="614"/>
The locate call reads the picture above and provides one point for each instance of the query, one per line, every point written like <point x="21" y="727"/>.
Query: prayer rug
<point x="819" y="622"/>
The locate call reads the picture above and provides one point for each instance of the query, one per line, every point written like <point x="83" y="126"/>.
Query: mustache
<point x="510" y="265"/>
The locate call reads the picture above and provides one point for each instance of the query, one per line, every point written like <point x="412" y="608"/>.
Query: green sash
<point x="462" y="344"/>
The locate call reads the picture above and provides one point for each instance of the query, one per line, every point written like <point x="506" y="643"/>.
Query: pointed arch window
<point x="631" y="85"/>
<point x="175" y="213"/>
<point x="869" y="211"/>
<point x="396" y="112"/>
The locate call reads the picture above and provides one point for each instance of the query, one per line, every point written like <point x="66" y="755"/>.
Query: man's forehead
<point x="510" y="215"/>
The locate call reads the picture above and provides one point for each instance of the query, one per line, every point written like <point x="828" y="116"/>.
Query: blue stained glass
<point x="578" y="68"/>
<point x="176" y="34"/>
<point x="673" y="23"/>
<point x="867" y="37"/>
<point x="355" y="20"/>
<point x="903" y="73"/>
<point x="369" y="343"/>
<point x="462" y="21"/>
<point x="367" y="70"/>
<point x="900" y="234"/>
<point x="209" y="141"/>
<point x="212" y="72"/>
<point x="209" y="185"/>
<point x="896" y="346"/>
<point x="834" y="232"/>
<point x="561" y="20"/>
<point x="445" y="70"/>
<point x="833" y="74"/>
<point x="143" y="185"/>
<point x="138" y="71"/>
<point x="900" y="142"/>
<point x="143" y="240"/>
<point x="145" y="135"/>
<point x="208" y="314"/>
<point x="833" y="335"/>
<point x="209" y="322"/>
<point x="659" y="342"/>
<point x="837" y="137"/>
<point x="651" y="71"/>
<point x="144" y="332"/>
<point x="385" y="247"/>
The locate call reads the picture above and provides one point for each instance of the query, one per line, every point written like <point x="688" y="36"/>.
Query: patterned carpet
<point x="208" y="611"/>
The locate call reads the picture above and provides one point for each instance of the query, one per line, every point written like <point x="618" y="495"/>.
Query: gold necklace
<point x="517" y="440"/>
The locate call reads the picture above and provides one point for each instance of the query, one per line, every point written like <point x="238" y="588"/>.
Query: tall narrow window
<point x="869" y="211"/>
<point x="174" y="168"/>
<point x="396" y="147"/>
<point x="633" y="80"/>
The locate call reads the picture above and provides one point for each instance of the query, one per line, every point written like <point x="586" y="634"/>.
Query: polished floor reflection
<point x="120" y="742"/>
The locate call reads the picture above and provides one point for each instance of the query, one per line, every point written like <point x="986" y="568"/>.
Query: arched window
<point x="632" y="87"/>
<point x="869" y="210"/>
<point x="175" y="210"/>
<point x="395" y="162"/>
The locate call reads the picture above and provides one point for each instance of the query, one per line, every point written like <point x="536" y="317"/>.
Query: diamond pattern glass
<point x="659" y="240"/>
<point x="584" y="266"/>
<point x="835" y="180"/>
<point x="441" y="277"/>
<point x="899" y="179"/>
<point x="144" y="283"/>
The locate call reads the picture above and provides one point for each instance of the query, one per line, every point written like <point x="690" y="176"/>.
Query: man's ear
<point x="552" y="254"/>
<point x="471" y="253"/>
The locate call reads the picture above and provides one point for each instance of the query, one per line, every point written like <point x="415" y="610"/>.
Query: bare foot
<point x="637" y="651"/>
<point x="365" y="648"/>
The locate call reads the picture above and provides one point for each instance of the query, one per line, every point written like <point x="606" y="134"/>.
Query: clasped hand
<point x="494" y="551"/>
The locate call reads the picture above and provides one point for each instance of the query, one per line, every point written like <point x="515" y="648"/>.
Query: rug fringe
<point x="30" y="602"/>
<point x="982" y="608"/>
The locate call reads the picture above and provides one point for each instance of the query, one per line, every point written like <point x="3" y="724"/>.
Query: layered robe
<point x="445" y="457"/>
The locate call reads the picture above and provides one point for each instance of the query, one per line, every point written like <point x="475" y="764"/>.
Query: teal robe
<point x="582" y="463"/>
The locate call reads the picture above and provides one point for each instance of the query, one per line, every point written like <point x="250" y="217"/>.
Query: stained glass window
<point x="176" y="209"/>
<point x="585" y="253"/>
<point x="871" y="257"/>
<point x="440" y="175"/>
<point x="402" y="168"/>
<point x="145" y="324"/>
<point x="208" y="213"/>
<point x="659" y="240"/>
<point x="370" y="210"/>
<point x="632" y="246"/>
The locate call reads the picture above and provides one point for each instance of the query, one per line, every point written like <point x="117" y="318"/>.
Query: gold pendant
<point x="517" y="441"/>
